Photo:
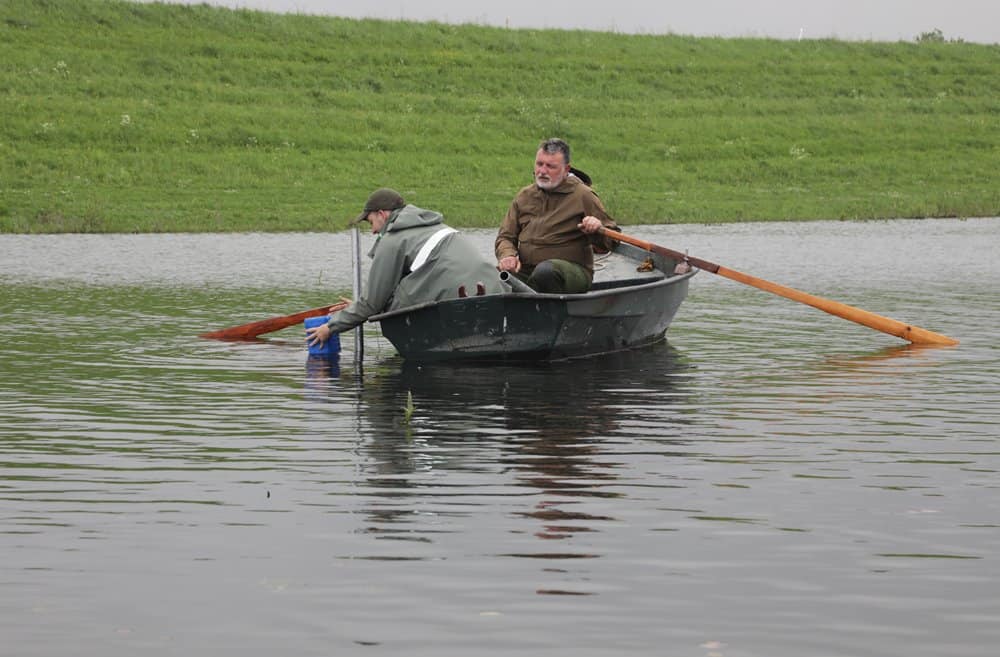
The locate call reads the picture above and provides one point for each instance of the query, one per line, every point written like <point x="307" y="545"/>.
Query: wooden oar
<point x="253" y="329"/>
<point x="913" y="334"/>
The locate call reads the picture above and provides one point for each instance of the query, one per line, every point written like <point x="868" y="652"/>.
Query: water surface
<point x="770" y="481"/>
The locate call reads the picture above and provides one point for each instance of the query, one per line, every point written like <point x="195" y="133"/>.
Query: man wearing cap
<point x="551" y="229"/>
<point x="416" y="258"/>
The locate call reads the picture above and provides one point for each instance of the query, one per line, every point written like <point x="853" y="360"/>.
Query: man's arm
<point x="507" y="237"/>
<point x="383" y="277"/>
<point x="601" y="218"/>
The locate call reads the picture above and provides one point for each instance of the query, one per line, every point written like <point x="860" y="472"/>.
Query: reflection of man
<point x="546" y="239"/>
<point x="416" y="258"/>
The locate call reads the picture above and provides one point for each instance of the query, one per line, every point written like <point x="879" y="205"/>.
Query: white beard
<point x="546" y="184"/>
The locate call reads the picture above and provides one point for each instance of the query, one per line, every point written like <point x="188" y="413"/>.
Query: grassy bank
<point x="146" y="117"/>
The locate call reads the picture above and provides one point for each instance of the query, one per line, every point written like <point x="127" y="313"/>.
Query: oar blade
<point x="907" y="332"/>
<point x="258" y="328"/>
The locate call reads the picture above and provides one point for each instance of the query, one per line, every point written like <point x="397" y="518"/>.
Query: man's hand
<point x="590" y="225"/>
<point x="317" y="335"/>
<point x="510" y="263"/>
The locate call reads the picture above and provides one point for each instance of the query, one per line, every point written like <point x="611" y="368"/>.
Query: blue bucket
<point x="331" y="347"/>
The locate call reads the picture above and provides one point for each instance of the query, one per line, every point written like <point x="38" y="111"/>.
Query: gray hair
<point x="555" y="145"/>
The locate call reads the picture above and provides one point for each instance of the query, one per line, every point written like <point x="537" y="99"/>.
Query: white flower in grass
<point x="126" y="120"/>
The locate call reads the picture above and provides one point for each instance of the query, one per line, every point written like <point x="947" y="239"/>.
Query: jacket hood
<point x="410" y="216"/>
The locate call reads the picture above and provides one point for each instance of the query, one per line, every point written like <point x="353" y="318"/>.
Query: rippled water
<point x="771" y="481"/>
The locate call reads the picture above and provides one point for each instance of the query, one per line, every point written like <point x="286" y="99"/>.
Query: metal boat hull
<point x="617" y="314"/>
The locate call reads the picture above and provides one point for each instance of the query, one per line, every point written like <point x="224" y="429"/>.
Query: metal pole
<point x="359" y="342"/>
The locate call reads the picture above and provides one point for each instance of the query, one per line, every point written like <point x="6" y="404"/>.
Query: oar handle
<point x="662" y="250"/>
<point x="908" y="332"/>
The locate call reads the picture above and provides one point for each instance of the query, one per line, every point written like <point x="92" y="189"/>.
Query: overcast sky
<point x="876" y="20"/>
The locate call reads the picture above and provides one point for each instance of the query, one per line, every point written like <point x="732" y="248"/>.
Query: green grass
<point x="125" y="117"/>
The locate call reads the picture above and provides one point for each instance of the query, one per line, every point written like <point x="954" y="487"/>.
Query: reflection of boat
<point x="563" y="437"/>
<point x="537" y="410"/>
<point x="626" y="308"/>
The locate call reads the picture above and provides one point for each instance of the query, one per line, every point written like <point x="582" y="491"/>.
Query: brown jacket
<point x="543" y="224"/>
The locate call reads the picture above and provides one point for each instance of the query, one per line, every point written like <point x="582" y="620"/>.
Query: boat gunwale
<point x="626" y="287"/>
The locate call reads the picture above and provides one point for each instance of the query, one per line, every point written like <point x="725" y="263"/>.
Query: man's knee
<point x="546" y="278"/>
<point x="559" y="277"/>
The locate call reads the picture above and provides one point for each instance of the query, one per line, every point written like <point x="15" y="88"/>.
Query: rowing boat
<point x="634" y="298"/>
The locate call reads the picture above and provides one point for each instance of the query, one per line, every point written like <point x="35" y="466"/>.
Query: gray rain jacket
<point x="417" y="258"/>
